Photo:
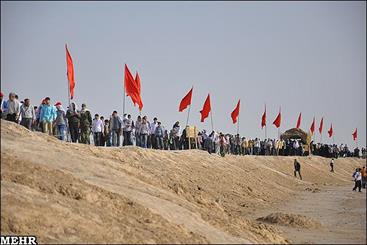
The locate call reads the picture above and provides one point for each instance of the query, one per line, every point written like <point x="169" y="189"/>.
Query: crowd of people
<point x="80" y="126"/>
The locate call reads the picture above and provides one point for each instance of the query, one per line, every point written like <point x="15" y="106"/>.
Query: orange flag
<point x="138" y="84"/>
<point x="278" y="120"/>
<point x="206" y="109"/>
<point x="70" y="72"/>
<point x="186" y="101"/>
<point x="263" y="119"/>
<point x="299" y="120"/>
<point x="355" y="134"/>
<point x="312" y="128"/>
<point x="236" y="112"/>
<point x="131" y="87"/>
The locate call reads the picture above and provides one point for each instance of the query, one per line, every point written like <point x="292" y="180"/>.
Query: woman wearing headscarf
<point x="60" y="121"/>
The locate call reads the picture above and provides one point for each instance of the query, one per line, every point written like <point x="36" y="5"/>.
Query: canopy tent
<point x="296" y="133"/>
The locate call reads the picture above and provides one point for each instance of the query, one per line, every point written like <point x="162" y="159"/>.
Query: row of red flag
<point x="132" y="87"/>
<point x="186" y="101"/>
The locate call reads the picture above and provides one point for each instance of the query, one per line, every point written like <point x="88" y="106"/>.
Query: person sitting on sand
<point x="297" y="168"/>
<point x="357" y="180"/>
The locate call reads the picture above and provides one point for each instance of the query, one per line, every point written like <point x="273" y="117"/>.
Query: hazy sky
<point x="307" y="57"/>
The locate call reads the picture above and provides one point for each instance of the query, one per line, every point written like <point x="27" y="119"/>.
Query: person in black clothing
<point x="73" y="117"/>
<point x="297" y="168"/>
<point x="332" y="165"/>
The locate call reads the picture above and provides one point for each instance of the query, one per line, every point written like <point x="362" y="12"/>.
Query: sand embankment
<point x="68" y="193"/>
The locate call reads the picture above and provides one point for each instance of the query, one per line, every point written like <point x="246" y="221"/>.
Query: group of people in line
<point x="79" y="125"/>
<point x="334" y="151"/>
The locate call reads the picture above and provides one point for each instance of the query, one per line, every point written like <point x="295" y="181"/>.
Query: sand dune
<point x="67" y="193"/>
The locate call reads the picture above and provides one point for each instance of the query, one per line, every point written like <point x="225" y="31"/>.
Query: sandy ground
<point x="341" y="212"/>
<point x="73" y="193"/>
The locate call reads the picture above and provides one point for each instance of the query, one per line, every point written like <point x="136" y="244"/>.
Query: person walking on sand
<point x="73" y="117"/>
<point x="137" y="131"/>
<point x="107" y="133"/>
<point x="13" y="108"/>
<point x="159" y="136"/>
<point x="85" y="124"/>
<point x="144" y="132"/>
<point x="28" y="115"/>
<point x="127" y="129"/>
<point x="332" y="165"/>
<point x="115" y="127"/>
<point x="297" y="168"/>
<point x="97" y="128"/>
<point x="47" y="116"/>
<point x="363" y="173"/>
<point x="357" y="180"/>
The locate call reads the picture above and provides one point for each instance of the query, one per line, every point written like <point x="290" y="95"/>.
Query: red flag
<point x="138" y="85"/>
<point x="330" y="132"/>
<point x="321" y="125"/>
<point x="312" y="128"/>
<point x="355" y="134"/>
<point x="206" y="109"/>
<point x="131" y="87"/>
<point x="263" y="119"/>
<point x="186" y="101"/>
<point x="236" y="112"/>
<point x="299" y="120"/>
<point x="70" y="72"/>
<point x="278" y="120"/>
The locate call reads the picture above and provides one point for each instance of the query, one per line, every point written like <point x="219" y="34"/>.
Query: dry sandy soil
<point x="73" y="193"/>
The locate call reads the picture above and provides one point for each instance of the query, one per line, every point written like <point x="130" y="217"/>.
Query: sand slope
<point x="65" y="192"/>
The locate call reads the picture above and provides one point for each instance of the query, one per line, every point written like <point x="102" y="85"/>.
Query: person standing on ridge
<point x="115" y="128"/>
<point x="97" y="129"/>
<point x="27" y="114"/>
<point x="73" y="117"/>
<point x="60" y="121"/>
<point x="85" y="124"/>
<point x="13" y="108"/>
<point x="47" y="116"/>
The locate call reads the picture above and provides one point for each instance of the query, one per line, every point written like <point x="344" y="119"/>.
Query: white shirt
<point x="358" y="176"/>
<point x="152" y="127"/>
<point x="97" y="126"/>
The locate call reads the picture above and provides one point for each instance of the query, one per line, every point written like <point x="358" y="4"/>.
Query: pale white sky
<point x="307" y="57"/>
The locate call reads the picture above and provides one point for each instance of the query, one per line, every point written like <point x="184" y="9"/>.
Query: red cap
<point x="58" y="103"/>
<point x="1" y="94"/>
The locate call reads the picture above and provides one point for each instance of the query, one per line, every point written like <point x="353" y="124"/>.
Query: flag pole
<point x="279" y="133"/>
<point x="321" y="138"/>
<point x="67" y="125"/>
<point x="211" y="119"/>
<point x="188" y="115"/>
<point x="266" y="131"/>
<point x="123" y="101"/>
<point x="238" y="124"/>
